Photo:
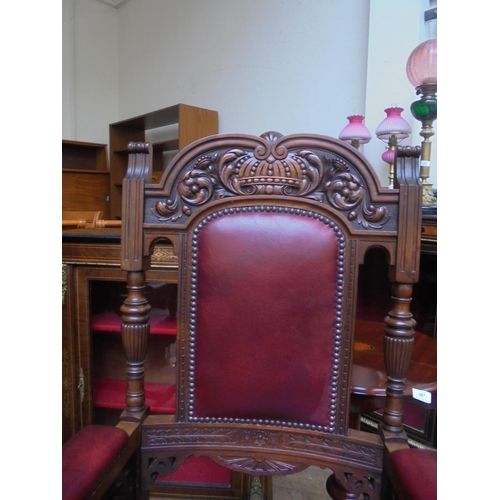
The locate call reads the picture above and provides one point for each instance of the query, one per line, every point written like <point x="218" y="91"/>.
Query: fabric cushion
<point x="87" y="456"/>
<point x="417" y="472"/>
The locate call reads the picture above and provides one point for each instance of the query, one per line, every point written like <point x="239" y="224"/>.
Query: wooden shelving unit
<point x="169" y="129"/>
<point x="78" y="155"/>
<point x="85" y="177"/>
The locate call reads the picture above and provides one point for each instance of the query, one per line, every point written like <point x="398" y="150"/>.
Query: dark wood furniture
<point x="269" y="233"/>
<point x="168" y="129"/>
<point x="91" y="273"/>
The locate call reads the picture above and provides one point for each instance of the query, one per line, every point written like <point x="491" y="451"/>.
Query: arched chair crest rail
<point x="269" y="233"/>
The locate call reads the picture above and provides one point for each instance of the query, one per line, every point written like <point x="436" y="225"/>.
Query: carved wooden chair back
<point x="269" y="233"/>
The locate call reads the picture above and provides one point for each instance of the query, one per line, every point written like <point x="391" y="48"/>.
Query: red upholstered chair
<point x="413" y="473"/>
<point x="93" y="457"/>
<point x="269" y="233"/>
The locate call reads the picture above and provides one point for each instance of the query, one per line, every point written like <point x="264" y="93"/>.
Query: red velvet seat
<point x="87" y="456"/>
<point x="416" y="473"/>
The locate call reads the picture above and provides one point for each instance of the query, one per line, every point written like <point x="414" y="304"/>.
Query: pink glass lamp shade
<point x="389" y="156"/>
<point x="421" y="67"/>
<point x="394" y="125"/>
<point x="355" y="131"/>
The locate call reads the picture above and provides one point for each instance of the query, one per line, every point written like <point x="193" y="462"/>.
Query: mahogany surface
<point x="368" y="390"/>
<point x="369" y="376"/>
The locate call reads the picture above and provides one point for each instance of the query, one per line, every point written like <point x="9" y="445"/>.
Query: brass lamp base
<point x="425" y="111"/>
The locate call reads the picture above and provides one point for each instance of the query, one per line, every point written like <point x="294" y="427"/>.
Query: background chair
<point x="269" y="232"/>
<point x="412" y="473"/>
<point x="93" y="458"/>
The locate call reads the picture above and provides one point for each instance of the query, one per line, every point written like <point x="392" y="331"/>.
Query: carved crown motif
<point x="272" y="169"/>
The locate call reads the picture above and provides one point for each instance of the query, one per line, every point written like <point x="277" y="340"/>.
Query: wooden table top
<point x="368" y="376"/>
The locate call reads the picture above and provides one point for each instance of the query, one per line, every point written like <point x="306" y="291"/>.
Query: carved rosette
<point x="272" y="169"/>
<point x="259" y="465"/>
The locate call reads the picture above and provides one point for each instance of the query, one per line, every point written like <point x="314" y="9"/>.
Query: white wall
<point x="90" y="70"/>
<point x="285" y="65"/>
<point x="68" y="71"/>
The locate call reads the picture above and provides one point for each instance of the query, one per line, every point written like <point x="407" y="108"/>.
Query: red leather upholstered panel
<point x="87" y="456"/>
<point x="265" y="318"/>
<point x="417" y="472"/>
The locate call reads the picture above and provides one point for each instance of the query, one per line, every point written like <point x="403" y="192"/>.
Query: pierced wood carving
<point x="272" y="169"/>
<point x="344" y="484"/>
<point x="356" y="466"/>
<point x="220" y="437"/>
<point x="164" y="255"/>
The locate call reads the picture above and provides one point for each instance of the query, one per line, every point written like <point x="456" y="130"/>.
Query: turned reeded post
<point x="135" y="331"/>
<point x="398" y="345"/>
<point x="399" y="331"/>
<point x="135" y="309"/>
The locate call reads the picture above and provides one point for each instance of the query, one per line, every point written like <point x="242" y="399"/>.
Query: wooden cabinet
<point x="85" y="177"/>
<point x="169" y="130"/>
<point x="93" y="360"/>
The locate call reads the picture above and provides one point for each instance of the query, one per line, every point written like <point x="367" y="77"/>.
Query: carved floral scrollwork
<point x="271" y="169"/>
<point x="195" y="188"/>
<point x="172" y="436"/>
<point x="345" y="192"/>
<point x="320" y="444"/>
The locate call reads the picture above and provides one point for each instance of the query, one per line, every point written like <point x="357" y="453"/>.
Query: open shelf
<point x="160" y="323"/>
<point x="168" y="129"/>
<point x="111" y="394"/>
<point x="84" y="156"/>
